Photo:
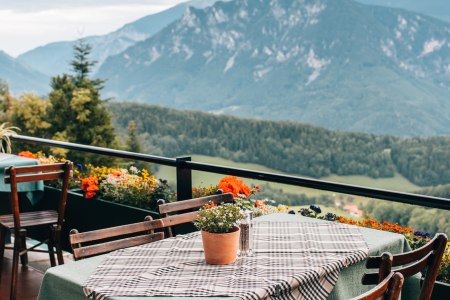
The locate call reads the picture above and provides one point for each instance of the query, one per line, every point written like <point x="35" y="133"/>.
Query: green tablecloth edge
<point x="34" y="189"/>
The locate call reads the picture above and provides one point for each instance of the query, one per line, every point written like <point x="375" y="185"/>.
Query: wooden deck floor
<point x="29" y="281"/>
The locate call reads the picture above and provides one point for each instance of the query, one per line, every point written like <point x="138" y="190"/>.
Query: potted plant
<point x="5" y="132"/>
<point x="220" y="233"/>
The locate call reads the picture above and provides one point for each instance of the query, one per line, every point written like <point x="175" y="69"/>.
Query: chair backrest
<point x="427" y="257"/>
<point x="388" y="289"/>
<point x="171" y="220"/>
<point x="87" y="244"/>
<point x="15" y="175"/>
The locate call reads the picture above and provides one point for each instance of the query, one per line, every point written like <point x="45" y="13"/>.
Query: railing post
<point x="184" y="178"/>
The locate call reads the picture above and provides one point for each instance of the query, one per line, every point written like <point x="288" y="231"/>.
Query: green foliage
<point x="6" y="102"/>
<point x="425" y="161"/>
<point x="30" y="114"/>
<point x="133" y="144"/>
<point x="286" y="146"/>
<point x="442" y="191"/>
<point x="77" y="114"/>
<point x="218" y="219"/>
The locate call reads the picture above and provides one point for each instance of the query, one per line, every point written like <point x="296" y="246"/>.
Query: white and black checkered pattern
<point x="291" y="261"/>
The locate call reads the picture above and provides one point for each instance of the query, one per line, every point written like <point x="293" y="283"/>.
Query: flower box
<point x="441" y="290"/>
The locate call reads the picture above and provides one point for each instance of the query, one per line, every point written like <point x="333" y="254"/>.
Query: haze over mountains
<point x="23" y="78"/>
<point x="338" y="64"/>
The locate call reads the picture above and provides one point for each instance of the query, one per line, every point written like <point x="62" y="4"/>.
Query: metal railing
<point x="184" y="167"/>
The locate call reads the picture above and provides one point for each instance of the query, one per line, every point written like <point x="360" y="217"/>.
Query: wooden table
<point x="64" y="282"/>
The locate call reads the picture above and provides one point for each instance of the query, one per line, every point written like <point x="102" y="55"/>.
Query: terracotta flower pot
<point x="221" y="248"/>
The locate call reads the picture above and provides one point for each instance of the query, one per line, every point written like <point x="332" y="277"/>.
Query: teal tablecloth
<point x="64" y="282"/>
<point x="34" y="190"/>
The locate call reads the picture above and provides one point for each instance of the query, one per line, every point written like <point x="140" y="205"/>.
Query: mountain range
<point x="338" y="64"/>
<point x="23" y="78"/>
<point x="436" y="8"/>
<point x="54" y="58"/>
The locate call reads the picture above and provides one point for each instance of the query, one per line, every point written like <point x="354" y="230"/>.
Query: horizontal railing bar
<point x="97" y="150"/>
<point x="408" y="198"/>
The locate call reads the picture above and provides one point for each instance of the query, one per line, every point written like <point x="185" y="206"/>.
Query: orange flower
<point x="259" y="203"/>
<point x="116" y="173"/>
<point x="90" y="186"/>
<point x="210" y="205"/>
<point x="27" y="154"/>
<point x="385" y="226"/>
<point x="234" y="185"/>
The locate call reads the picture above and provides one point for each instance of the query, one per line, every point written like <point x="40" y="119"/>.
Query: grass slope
<point x="397" y="183"/>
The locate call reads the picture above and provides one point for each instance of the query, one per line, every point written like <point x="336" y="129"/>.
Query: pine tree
<point x="133" y="144"/>
<point x="6" y="102"/>
<point x="77" y="112"/>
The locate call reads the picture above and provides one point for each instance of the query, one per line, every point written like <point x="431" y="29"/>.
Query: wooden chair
<point x="388" y="289"/>
<point x="18" y="222"/>
<point x="427" y="257"/>
<point x="147" y="227"/>
<point x="171" y="220"/>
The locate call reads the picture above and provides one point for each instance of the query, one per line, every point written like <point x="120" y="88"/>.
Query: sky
<point x="26" y="24"/>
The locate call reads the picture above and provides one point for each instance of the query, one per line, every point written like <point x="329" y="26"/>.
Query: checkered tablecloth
<point x="291" y="261"/>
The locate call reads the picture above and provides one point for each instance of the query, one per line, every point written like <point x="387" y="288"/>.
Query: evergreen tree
<point x="6" y="102"/>
<point x="133" y="144"/>
<point x="77" y="112"/>
<point x="82" y="66"/>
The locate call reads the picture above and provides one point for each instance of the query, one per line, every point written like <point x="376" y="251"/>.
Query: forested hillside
<point x="286" y="146"/>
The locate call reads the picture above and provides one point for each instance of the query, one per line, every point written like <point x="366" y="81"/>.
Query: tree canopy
<point x="77" y="112"/>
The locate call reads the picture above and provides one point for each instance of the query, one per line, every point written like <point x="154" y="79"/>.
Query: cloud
<point x="28" y="24"/>
<point x="39" y="5"/>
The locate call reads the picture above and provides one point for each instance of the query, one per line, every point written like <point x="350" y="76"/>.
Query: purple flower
<point x="330" y="217"/>
<point x="315" y="208"/>
<point x="422" y="234"/>
<point x="305" y="212"/>
<point x="291" y="212"/>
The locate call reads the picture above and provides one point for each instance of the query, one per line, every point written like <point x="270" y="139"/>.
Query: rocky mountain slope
<point x="338" y="64"/>
<point x="20" y="77"/>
